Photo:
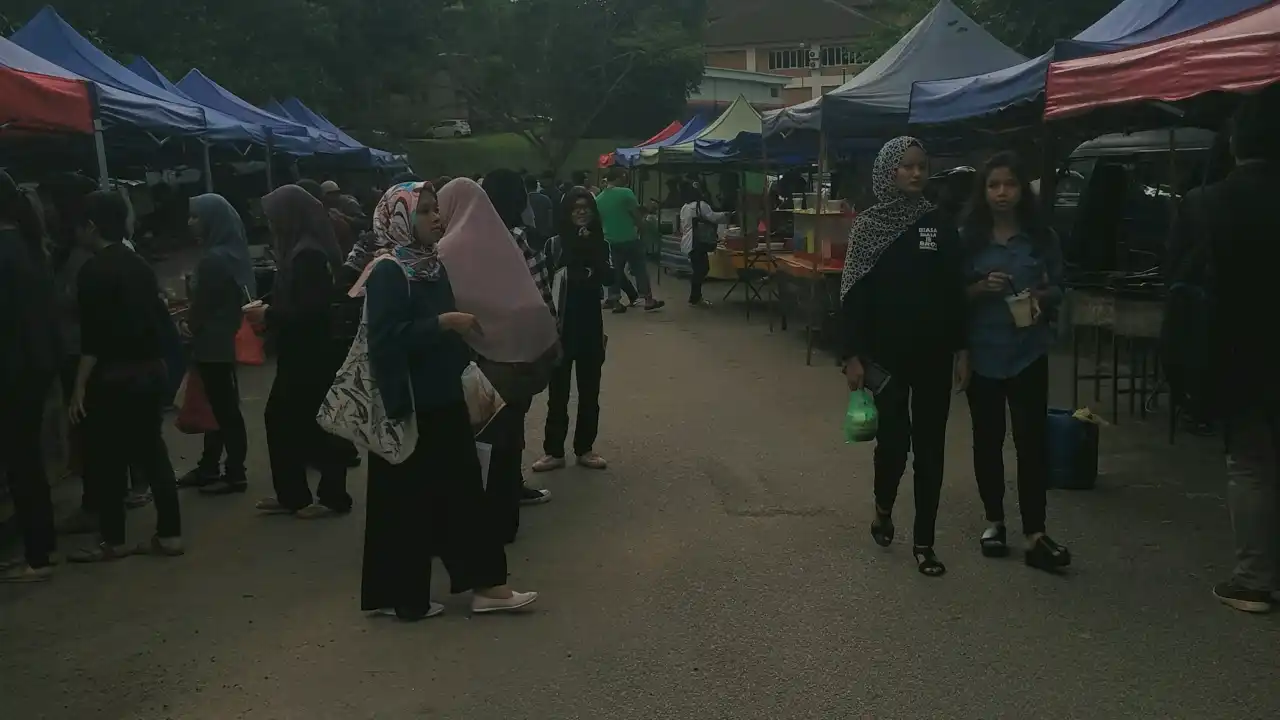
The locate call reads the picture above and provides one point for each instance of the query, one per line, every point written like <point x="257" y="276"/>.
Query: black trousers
<point x="122" y="426"/>
<point x="295" y="441"/>
<point x="1027" y="395"/>
<point x="138" y="482"/>
<point x="913" y="418"/>
<point x="431" y="505"/>
<point x="22" y="467"/>
<point x="589" y="369"/>
<point x="506" y="476"/>
<point x="700" y="265"/>
<point x="221" y="386"/>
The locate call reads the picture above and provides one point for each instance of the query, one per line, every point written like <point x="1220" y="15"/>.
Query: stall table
<point x="1133" y="318"/>
<point x="812" y="289"/>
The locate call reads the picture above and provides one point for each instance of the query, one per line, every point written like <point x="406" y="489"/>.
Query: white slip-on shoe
<point x="435" y="610"/>
<point x="518" y="600"/>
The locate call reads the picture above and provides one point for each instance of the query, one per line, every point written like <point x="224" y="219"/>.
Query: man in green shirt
<point x="621" y="220"/>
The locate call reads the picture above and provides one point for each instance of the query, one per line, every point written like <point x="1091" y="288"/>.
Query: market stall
<point x="1236" y="55"/>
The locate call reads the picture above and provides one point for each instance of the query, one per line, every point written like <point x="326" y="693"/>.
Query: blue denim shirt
<point x="998" y="349"/>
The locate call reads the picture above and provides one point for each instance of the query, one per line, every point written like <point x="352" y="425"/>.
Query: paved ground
<point x="720" y="569"/>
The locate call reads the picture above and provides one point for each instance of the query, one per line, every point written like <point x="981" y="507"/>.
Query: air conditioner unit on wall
<point x="814" y="53"/>
<point x="814" y="64"/>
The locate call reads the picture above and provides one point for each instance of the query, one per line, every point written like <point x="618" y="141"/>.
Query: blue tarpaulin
<point x="287" y="135"/>
<point x="220" y="125"/>
<point x="875" y="103"/>
<point x="294" y="108"/>
<point x="145" y="106"/>
<point x="629" y="157"/>
<point x="1131" y="23"/>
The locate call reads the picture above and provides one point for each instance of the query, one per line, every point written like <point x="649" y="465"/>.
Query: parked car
<point x="1115" y="197"/>
<point x="451" y="129"/>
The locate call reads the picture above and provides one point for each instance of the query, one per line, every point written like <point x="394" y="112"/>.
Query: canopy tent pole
<point x="766" y="199"/>
<point x="1048" y="174"/>
<point x="1173" y="175"/>
<point x="270" y="182"/>
<point x="100" y="148"/>
<point x="661" y="199"/>
<point x="208" y="168"/>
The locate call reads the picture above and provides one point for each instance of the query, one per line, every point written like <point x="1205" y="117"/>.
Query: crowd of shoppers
<point x="498" y="273"/>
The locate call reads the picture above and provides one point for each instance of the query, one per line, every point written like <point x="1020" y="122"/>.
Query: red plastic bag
<point x="249" y="349"/>
<point x="195" y="414"/>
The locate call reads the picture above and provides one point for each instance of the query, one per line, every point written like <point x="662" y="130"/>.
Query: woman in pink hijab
<point x="491" y="279"/>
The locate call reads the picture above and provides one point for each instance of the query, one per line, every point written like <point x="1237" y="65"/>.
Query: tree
<point x="553" y="70"/>
<point x="344" y="57"/>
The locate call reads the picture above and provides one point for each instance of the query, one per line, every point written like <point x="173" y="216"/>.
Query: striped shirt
<point x="539" y="268"/>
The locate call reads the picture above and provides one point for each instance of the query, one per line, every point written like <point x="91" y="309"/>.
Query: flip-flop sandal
<point x="927" y="562"/>
<point x="1048" y="555"/>
<point x="995" y="542"/>
<point x="882" y="529"/>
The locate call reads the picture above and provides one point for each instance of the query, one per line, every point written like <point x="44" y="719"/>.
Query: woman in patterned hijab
<point x="903" y="308"/>
<point x="393" y="222"/>
<point x="879" y="225"/>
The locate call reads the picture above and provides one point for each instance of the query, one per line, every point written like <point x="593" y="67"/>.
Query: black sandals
<point x="927" y="561"/>
<point x="882" y="529"/>
<point x="1048" y="555"/>
<point x="995" y="542"/>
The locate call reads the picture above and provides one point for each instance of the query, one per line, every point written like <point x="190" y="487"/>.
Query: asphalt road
<point x="721" y="568"/>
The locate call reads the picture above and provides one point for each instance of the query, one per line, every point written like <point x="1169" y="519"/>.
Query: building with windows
<point x="720" y="87"/>
<point x="816" y="44"/>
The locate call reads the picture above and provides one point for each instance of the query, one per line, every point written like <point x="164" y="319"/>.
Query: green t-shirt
<point x="617" y="206"/>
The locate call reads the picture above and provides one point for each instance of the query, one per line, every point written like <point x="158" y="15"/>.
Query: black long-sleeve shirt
<point x="28" y="331"/>
<point x="581" y="322"/>
<point x="120" y="308"/>
<point x="305" y="327"/>
<point x="913" y="301"/>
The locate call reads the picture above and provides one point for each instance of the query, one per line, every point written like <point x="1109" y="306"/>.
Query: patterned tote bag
<point x="353" y="407"/>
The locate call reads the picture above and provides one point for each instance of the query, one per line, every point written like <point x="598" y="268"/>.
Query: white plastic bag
<point x="483" y="400"/>
<point x="484" y="451"/>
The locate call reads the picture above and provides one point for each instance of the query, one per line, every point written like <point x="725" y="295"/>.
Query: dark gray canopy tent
<point x="876" y="102"/>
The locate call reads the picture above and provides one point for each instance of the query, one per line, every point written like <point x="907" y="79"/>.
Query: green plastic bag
<point x="861" y="420"/>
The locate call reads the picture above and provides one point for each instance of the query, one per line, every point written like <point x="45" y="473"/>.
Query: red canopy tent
<point x="1238" y="54"/>
<point x="668" y="131"/>
<point x="42" y="103"/>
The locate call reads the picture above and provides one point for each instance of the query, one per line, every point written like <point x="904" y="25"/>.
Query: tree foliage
<point x="344" y="57"/>
<point x="554" y="70"/>
<point x="618" y="67"/>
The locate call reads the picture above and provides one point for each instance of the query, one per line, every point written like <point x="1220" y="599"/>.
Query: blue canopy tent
<point x="294" y="108"/>
<point x="630" y="157"/>
<point x="149" y="108"/>
<point x="285" y="135"/>
<point x="254" y="134"/>
<point x="1131" y="23"/>
<point x="355" y="154"/>
<point x="875" y="103"/>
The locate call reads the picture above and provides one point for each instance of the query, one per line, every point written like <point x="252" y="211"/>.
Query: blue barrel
<point x="1073" y="452"/>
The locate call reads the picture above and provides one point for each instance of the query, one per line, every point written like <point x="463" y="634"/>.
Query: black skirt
<point x="431" y="505"/>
